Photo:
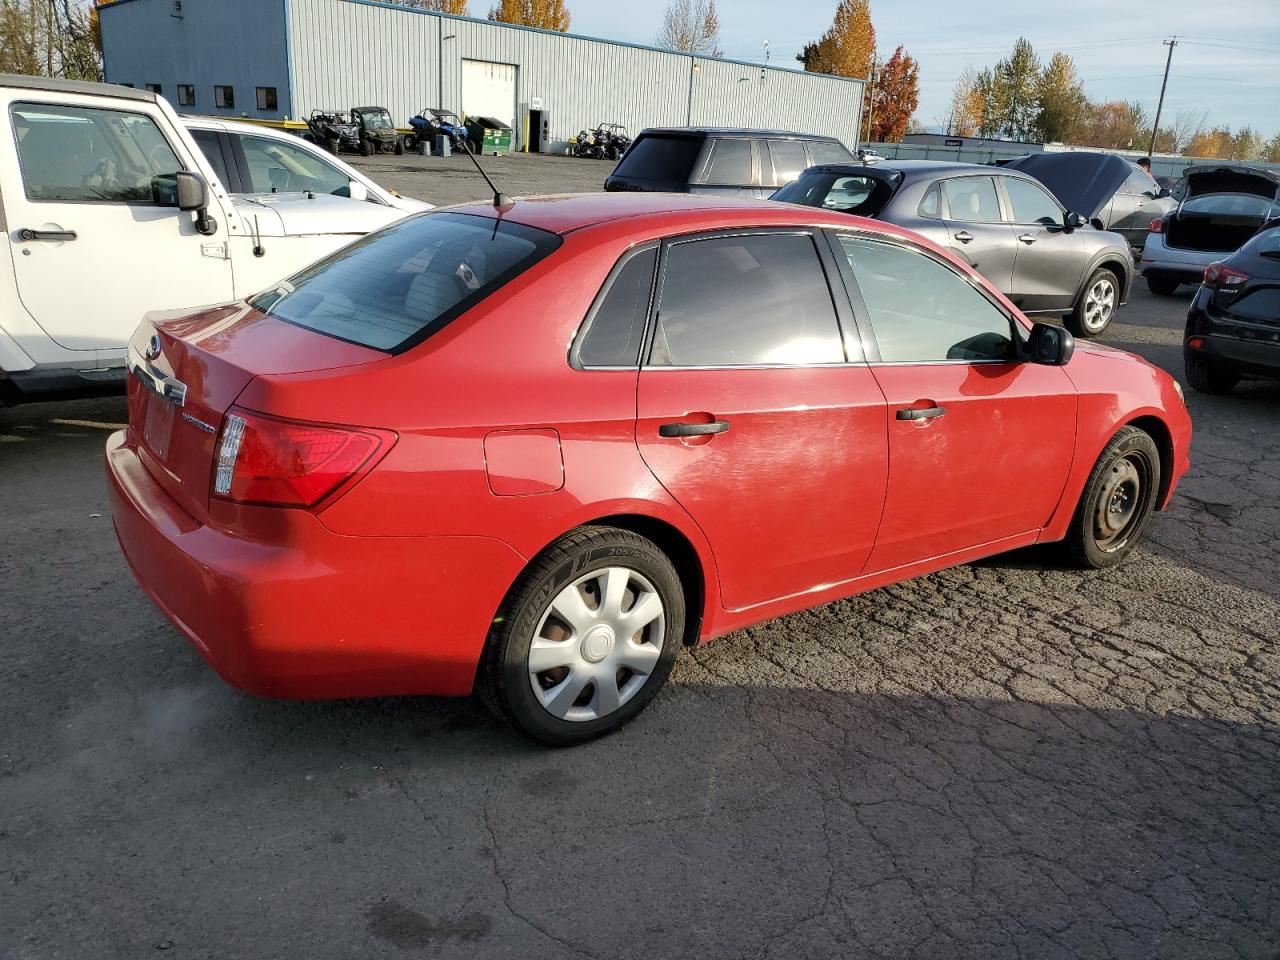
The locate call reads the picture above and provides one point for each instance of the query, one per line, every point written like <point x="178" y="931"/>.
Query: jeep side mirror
<point x="1073" y="221"/>
<point x="1051" y="345"/>
<point x="357" y="190"/>
<point x="192" y="192"/>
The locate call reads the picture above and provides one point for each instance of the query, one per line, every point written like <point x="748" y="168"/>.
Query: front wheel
<point x="1117" y="501"/>
<point x="1097" y="305"/>
<point x="332" y="145"/>
<point x="586" y="638"/>
<point x="399" y="147"/>
<point x="366" y="148"/>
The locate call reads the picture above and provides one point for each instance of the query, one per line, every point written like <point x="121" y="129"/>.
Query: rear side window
<point x="1030" y="203"/>
<point x="972" y="200"/>
<point x="615" y="327"/>
<point x="751" y="299"/>
<point x="846" y="193"/>
<point x="788" y="158"/>
<point x="396" y="287"/>
<point x="824" y="151"/>
<point x="931" y="205"/>
<point x="88" y="154"/>
<point x="730" y="163"/>
<point x="660" y="158"/>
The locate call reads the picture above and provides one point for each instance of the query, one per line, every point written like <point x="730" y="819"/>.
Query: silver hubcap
<point x="1117" y="505"/>
<point x="1099" y="304"/>
<point x="597" y="643"/>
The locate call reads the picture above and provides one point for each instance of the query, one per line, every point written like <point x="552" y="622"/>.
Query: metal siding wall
<point x="235" y="42"/>
<point x="344" y="52"/>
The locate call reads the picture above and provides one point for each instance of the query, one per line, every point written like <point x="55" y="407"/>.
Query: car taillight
<point x="1218" y="275"/>
<point x="1157" y="225"/>
<point x="286" y="463"/>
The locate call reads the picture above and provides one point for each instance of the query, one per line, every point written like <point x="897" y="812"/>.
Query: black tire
<point x="399" y="147"/>
<point x="1111" y="492"/>
<point x="1090" y="319"/>
<point x="504" y="680"/>
<point x="332" y="145"/>
<point x="1206" y="376"/>
<point x="366" y="148"/>
<point x="1162" y="286"/>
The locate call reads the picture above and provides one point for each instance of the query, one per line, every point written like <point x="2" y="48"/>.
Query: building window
<point x="154" y="88"/>
<point x="266" y="98"/>
<point x="224" y="97"/>
<point x="186" y="95"/>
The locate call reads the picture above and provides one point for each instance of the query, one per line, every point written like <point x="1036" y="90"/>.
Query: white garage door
<point x="489" y="90"/>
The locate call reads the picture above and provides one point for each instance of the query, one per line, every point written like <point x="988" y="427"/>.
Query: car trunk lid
<point x="187" y="369"/>
<point x="1231" y="178"/>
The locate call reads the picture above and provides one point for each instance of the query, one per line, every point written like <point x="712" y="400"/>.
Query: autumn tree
<point x="1115" y="125"/>
<point x="1061" y="102"/>
<point x="1014" y="89"/>
<point x="848" y="47"/>
<point x="691" y="26"/>
<point x="456" y="7"/>
<point x="1271" y="152"/>
<point x="967" y="107"/>
<point x="894" y="98"/>
<point x="545" y="14"/>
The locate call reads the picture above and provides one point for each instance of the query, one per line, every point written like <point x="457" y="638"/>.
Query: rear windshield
<point x="396" y="287"/>
<point x="1233" y="205"/>
<point x="845" y="193"/>
<point x="656" y="157"/>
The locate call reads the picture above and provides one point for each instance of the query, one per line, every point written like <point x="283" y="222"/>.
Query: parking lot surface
<point x="1007" y="759"/>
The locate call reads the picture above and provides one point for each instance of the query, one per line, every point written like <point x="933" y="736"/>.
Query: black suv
<point x="721" y="160"/>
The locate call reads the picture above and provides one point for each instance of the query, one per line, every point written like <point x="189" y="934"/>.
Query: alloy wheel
<point x="1099" y="304"/>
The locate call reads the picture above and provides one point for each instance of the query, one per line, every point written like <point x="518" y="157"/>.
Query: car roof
<point x="912" y="168"/>
<point x="737" y="132"/>
<point x="58" y="85"/>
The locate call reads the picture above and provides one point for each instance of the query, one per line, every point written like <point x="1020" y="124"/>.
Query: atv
<point x="433" y="122"/>
<point x="333" y="130"/>
<point x="376" y="131"/>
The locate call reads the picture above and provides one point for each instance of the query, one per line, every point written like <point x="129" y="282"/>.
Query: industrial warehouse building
<point x="275" y="59"/>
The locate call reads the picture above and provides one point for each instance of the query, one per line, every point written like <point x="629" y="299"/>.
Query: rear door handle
<point x="1028" y="238"/>
<point x="964" y="236"/>
<point x="920" y="413"/>
<point x="26" y="234"/>
<point x="692" y="429"/>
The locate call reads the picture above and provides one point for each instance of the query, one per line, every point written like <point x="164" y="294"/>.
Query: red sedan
<point x="537" y="450"/>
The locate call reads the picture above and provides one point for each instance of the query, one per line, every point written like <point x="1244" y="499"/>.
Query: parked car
<point x="377" y="133"/>
<point x="250" y="159"/>
<point x="1233" y="326"/>
<point x="720" y="160"/>
<point x="388" y="475"/>
<point x="1115" y="192"/>
<point x="333" y="130"/>
<point x="113" y="210"/>
<point x="1047" y="260"/>
<point x="1222" y="206"/>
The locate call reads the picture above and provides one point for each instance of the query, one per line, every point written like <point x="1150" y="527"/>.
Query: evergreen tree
<point x="1061" y="101"/>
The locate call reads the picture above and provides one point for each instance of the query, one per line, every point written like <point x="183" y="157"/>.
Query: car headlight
<point x="1178" y="386"/>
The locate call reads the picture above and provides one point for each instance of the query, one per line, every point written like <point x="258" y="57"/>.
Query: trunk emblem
<point x="153" y="347"/>
<point x="207" y="428"/>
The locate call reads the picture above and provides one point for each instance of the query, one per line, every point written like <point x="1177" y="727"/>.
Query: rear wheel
<point x="586" y="637"/>
<point x="1162" y="286"/>
<point x="366" y="148"/>
<point x="399" y="147"/>
<point x="1096" y="306"/>
<point x="1117" y="501"/>
<point x="1209" y="377"/>
<point x="332" y="145"/>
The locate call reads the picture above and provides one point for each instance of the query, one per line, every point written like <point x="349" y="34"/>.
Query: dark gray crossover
<point x="1045" y="258"/>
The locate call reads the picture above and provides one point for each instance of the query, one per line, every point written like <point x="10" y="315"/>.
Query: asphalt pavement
<point x="1007" y="759"/>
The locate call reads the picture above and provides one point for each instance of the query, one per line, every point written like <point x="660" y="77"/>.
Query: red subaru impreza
<point x="536" y="450"/>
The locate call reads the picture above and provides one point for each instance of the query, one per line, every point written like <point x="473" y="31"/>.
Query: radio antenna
<point x="501" y="201"/>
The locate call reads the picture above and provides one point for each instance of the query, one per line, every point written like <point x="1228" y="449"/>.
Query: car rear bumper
<point x="1246" y="356"/>
<point x="1162" y="261"/>
<point x="312" y="614"/>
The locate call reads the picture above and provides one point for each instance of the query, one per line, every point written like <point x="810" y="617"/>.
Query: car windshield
<point x="396" y="287"/>
<point x="845" y="193"/>
<point x="1233" y="204"/>
<point x="375" y="118"/>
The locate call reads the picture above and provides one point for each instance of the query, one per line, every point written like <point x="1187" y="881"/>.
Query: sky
<point x="1227" y="61"/>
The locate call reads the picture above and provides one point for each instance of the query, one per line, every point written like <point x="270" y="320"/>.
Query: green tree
<point x="545" y="14"/>
<point x="1061" y="101"/>
<point x="1271" y="152"/>
<point x="691" y="26"/>
<point x="1014" y="92"/>
<point x="1247" y="144"/>
<point x="985" y="105"/>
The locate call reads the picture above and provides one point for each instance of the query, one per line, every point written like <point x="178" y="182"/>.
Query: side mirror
<point x="1051" y="345"/>
<point x="192" y="191"/>
<point x="357" y="190"/>
<point x="1073" y="221"/>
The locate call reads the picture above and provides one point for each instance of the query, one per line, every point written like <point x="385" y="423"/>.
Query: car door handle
<point x="920" y="413"/>
<point x="692" y="429"/>
<point x="1028" y="238"/>
<point x="26" y="234"/>
<point x="964" y="236"/>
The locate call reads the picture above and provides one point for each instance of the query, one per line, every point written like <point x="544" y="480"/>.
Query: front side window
<point x="224" y="97"/>
<point x="1140" y="183"/>
<point x="972" y="200"/>
<point x="788" y="158"/>
<point x="394" y="288"/>
<point x="266" y="98"/>
<point x="730" y="163"/>
<point x="750" y="299"/>
<point x="615" y="326"/>
<point x="88" y="154"/>
<point x="278" y="167"/>
<point x="1030" y="202"/>
<point x="922" y="310"/>
<point x="186" y="95"/>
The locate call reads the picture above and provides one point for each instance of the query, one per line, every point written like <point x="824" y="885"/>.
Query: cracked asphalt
<point x="1008" y="759"/>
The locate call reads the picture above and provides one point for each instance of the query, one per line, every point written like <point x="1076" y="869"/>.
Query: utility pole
<point x="871" y="103"/>
<point x="1155" y="127"/>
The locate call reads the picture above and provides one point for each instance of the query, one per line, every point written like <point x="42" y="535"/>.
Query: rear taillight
<point x="1219" y="276"/>
<point x="286" y="463"/>
<point x="1157" y="225"/>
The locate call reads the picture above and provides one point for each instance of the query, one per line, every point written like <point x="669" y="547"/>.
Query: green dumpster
<point x="489" y="136"/>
